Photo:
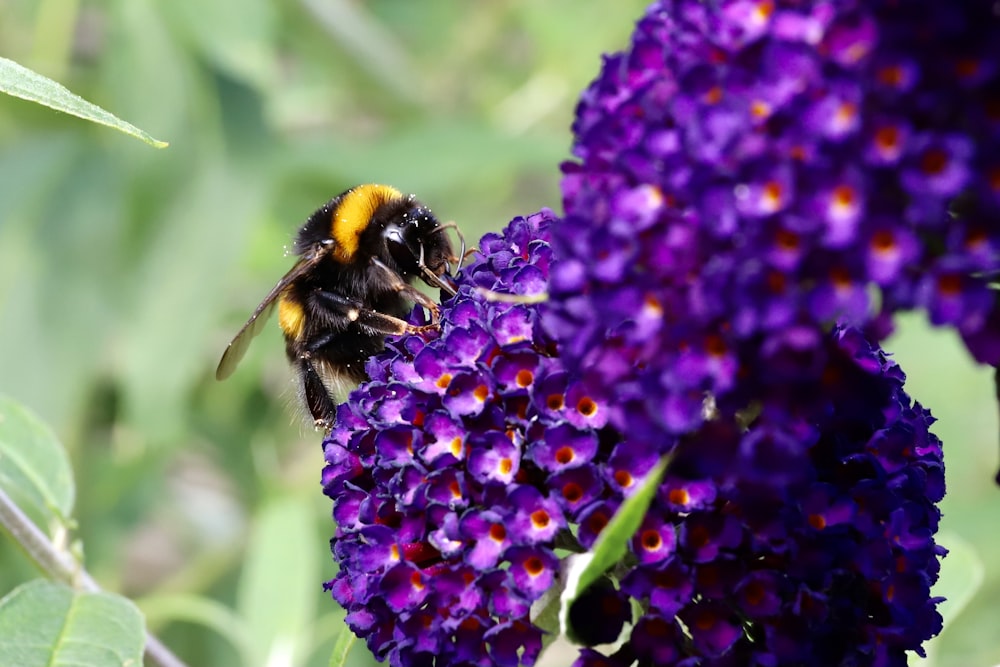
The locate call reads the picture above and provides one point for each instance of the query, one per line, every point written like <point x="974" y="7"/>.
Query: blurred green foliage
<point x="124" y="271"/>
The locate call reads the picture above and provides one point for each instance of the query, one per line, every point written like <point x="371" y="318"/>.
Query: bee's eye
<point x="394" y="235"/>
<point x="402" y="253"/>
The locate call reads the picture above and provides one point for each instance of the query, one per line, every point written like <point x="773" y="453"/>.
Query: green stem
<point x="61" y="566"/>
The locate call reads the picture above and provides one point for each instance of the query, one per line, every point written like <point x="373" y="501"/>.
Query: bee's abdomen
<point x="291" y="316"/>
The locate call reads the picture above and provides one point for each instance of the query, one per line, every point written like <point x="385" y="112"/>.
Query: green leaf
<point x="44" y="624"/>
<point x="612" y="543"/>
<point x="581" y="571"/>
<point x="546" y="612"/>
<point x="341" y="649"/>
<point x="279" y="586"/>
<point x="22" y="82"/>
<point x="34" y="468"/>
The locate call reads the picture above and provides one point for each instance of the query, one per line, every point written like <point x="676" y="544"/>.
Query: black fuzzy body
<point x="330" y="348"/>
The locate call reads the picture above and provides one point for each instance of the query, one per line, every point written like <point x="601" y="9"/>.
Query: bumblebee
<point x="358" y="256"/>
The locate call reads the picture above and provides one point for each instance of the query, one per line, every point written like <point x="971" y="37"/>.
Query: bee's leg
<point x="409" y="290"/>
<point x="435" y="280"/>
<point x="316" y="396"/>
<point x="430" y="276"/>
<point x="355" y="312"/>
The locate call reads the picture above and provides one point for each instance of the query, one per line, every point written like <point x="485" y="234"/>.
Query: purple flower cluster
<point x="753" y="171"/>
<point x="835" y="570"/>
<point x="448" y="489"/>
<point x="473" y="454"/>
<point x="761" y="186"/>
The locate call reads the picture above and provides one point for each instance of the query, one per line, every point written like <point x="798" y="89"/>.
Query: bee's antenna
<point x="461" y="237"/>
<point x="432" y="278"/>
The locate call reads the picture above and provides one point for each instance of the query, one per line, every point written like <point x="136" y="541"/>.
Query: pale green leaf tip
<point x="123" y="127"/>
<point x="19" y="81"/>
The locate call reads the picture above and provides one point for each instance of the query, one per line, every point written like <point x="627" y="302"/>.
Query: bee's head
<point x="419" y="246"/>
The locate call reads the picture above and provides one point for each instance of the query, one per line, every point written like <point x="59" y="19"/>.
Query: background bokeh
<point x="124" y="271"/>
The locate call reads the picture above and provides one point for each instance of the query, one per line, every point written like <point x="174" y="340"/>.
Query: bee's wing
<point x="238" y="347"/>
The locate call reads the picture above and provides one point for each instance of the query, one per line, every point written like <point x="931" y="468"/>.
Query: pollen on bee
<point x="353" y="314"/>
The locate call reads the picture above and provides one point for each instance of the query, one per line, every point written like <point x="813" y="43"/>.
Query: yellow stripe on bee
<point x="352" y="215"/>
<point x="291" y="316"/>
